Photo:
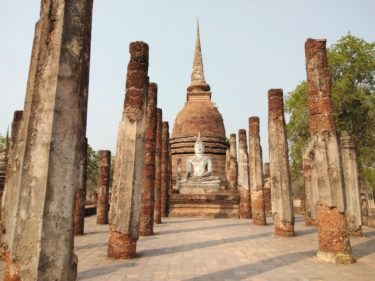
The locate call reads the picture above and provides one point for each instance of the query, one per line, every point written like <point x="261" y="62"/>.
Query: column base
<point x="121" y="246"/>
<point x="245" y="207"/>
<point x="336" y="258"/>
<point x="157" y="213"/>
<point x="258" y="207"/>
<point x="102" y="209"/>
<point x="259" y="217"/>
<point x="245" y="212"/>
<point x="284" y="230"/>
<point x="334" y="243"/>
<point x="310" y="222"/>
<point x="12" y="269"/>
<point x="357" y="233"/>
<point x="146" y="233"/>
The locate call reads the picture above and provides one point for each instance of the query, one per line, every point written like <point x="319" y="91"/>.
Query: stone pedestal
<point x="334" y="244"/>
<point x="38" y="213"/>
<point x="129" y="163"/>
<point x="200" y="187"/>
<point x="102" y="206"/>
<point x="218" y="205"/>
<point x="256" y="173"/>
<point x="146" y="226"/>
<point x="281" y="188"/>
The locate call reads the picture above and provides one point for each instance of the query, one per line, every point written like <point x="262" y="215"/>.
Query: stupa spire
<point x="197" y="75"/>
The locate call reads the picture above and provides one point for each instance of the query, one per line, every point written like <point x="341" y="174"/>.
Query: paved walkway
<point x="220" y="249"/>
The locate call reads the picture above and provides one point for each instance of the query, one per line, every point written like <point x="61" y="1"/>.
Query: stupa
<point x="200" y="117"/>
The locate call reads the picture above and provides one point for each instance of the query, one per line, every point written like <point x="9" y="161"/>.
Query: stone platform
<point x="218" y="205"/>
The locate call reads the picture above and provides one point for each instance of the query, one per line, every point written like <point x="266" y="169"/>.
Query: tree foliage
<point x="352" y="68"/>
<point x="92" y="170"/>
<point x="2" y="143"/>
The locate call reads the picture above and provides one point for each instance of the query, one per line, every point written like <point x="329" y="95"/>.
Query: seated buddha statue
<point x="199" y="166"/>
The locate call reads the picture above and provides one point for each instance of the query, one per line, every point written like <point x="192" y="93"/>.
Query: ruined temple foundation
<point x="334" y="243"/>
<point x="102" y="206"/>
<point x="129" y="164"/>
<point x="243" y="176"/>
<point x="256" y="173"/>
<point x="281" y="188"/>
<point x="49" y="144"/>
<point x="146" y="224"/>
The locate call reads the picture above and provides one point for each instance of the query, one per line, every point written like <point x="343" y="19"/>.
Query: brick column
<point x="267" y="189"/>
<point x="256" y="173"/>
<point x="80" y="197"/>
<point x="102" y="206"/>
<point x="233" y="165"/>
<point x="351" y="177"/>
<point x="227" y="161"/>
<point x="42" y="186"/>
<point x="334" y="244"/>
<point x="164" y="169"/>
<point x="146" y="226"/>
<point x="243" y="176"/>
<point x="11" y="168"/>
<point x="157" y="202"/>
<point x="281" y="188"/>
<point x="128" y="173"/>
<point x="311" y="188"/>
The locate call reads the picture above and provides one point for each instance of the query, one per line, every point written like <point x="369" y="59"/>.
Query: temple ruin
<point x="334" y="244"/>
<point x="243" y="175"/>
<point x="146" y="225"/>
<point x="256" y="173"/>
<point x="194" y="171"/>
<point x="102" y="207"/>
<point x="281" y="187"/>
<point x="40" y="188"/>
<point x="129" y="163"/>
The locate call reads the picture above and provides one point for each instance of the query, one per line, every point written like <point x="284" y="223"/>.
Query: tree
<point x="352" y="68"/>
<point x="92" y="170"/>
<point x="2" y="143"/>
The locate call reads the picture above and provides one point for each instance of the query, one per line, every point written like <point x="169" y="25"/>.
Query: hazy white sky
<point x="248" y="47"/>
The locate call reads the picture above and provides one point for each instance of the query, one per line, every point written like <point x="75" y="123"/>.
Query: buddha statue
<point x="199" y="167"/>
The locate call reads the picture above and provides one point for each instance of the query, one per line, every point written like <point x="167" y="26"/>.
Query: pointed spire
<point x="197" y="76"/>
<point x="198" y="89"/>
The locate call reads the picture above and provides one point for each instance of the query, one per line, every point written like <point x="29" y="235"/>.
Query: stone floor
<point x="220" y="249"/>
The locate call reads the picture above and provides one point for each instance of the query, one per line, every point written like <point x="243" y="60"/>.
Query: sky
<point x="248" y="47"/>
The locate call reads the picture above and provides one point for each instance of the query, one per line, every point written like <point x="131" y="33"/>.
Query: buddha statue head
<point x="199" y="147"/>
